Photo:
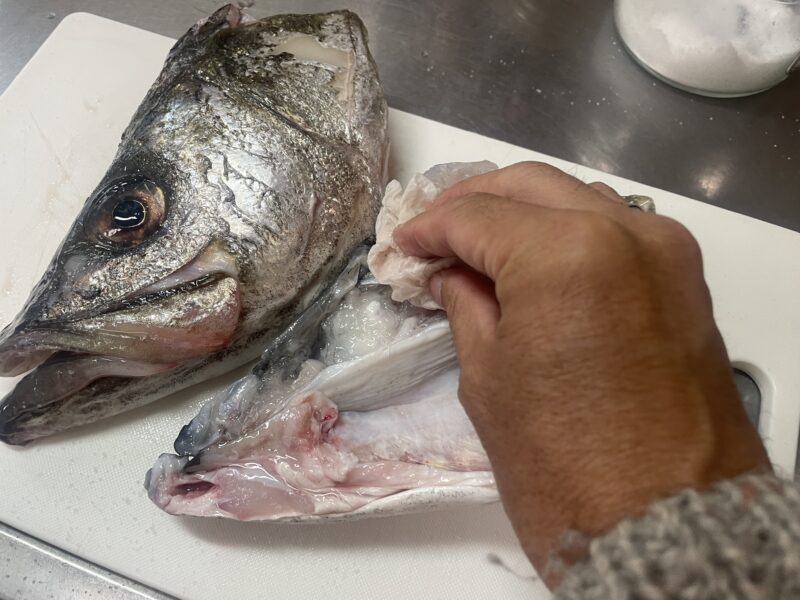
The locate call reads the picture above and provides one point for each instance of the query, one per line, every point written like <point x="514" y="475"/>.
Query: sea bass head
<point x="252" y="168"/>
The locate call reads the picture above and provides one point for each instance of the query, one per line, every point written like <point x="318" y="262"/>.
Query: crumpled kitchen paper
<point x="408" y="276"/>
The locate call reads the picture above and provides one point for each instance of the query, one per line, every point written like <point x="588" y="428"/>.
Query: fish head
<point x="143" y="282"/>
<point x="250" y="171"/>
<point x="141" y="258"/>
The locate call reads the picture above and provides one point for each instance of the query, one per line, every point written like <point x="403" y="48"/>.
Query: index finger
<point x="480" y="229"/>
<point x="535" y="183"/>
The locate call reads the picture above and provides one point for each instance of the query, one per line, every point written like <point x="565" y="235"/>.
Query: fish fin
<point x="392" y="375"/>
<point x="286" y="354"/>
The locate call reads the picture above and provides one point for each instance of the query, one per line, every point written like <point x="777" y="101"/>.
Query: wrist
<point x="593" y="482"/>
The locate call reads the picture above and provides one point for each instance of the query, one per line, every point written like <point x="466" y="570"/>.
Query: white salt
<point x="727" y="47"/>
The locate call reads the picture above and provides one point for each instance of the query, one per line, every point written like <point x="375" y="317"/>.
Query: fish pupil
<point x="128" y="212"/>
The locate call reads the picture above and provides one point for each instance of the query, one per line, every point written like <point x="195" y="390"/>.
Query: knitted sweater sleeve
<point x="738" y="540"/>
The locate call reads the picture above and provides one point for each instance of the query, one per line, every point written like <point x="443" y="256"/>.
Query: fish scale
<point x="237" y="155"/>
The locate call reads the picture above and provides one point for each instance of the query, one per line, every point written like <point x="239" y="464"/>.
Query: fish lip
<point x="8" y="434"/>
<point x="140" y="299"/>
<point x="211" y="265"/>
<point x="30" y="399"/>
<point x="64" y="386"/>
<point x="220" y="264"/>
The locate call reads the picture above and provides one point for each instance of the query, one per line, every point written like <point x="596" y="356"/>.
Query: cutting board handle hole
<point x="749" y="392"/>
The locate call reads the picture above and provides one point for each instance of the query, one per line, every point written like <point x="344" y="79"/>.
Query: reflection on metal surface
<point x="711" y="181"/>
<point x="33" y="570"/>
<point x="545" y="74"/>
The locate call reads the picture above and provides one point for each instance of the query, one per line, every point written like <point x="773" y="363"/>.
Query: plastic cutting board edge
<point x="60" y="123"/>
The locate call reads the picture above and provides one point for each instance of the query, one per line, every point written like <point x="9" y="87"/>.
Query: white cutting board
<point x="60" y="122"/>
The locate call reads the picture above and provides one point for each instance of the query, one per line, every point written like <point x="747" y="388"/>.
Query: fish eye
<point x="126" y="213"/>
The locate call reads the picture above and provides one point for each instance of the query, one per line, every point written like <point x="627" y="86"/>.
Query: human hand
<point x="591" y="365"/>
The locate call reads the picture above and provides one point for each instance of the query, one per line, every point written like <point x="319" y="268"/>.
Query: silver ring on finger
<point x="642" y="203"/>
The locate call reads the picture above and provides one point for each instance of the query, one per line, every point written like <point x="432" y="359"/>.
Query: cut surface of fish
<point x="368" y="423"/>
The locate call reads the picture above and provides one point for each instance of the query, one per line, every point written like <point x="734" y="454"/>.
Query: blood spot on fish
<point x="194" y="489"/>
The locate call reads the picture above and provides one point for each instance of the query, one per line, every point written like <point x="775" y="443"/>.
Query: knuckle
<point x="599" y="185"/>
<point x="678" y="240"/>
<point x="532" y="168"/>
<point x="676" y="232"/>
<point x="474" y="391"/>
<point x="451" y="298"/>
<point x="603" y="188"/>
<point x="596" y="230"/>
<point x="594" y="240"/>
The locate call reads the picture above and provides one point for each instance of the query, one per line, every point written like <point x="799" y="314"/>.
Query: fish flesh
<point x="352" y="412"/>
<point x="368" y="423"/>
<point x="251" y="171"/>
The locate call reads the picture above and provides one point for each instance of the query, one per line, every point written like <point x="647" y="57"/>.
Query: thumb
<point x="471" y="305"/>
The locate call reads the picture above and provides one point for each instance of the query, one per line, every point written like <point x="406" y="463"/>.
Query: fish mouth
<point x="191" y="313"/>
<point x="55" y="382"/>
<point x="306" y="466"/>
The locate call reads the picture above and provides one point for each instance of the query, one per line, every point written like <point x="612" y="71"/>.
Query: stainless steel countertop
<point x="33" y="570"/>
<point x="545" y="74"/>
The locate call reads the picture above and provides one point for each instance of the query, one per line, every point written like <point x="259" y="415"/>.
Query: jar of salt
<point x="721" y="48"/>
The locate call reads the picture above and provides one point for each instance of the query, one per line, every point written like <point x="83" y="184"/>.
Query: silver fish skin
<point x="354" y="415"/>
<point x="249" y="174"/>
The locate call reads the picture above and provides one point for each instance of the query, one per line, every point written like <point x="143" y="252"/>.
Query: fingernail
<point x="397" y="236"/>
<point x="436" y="288"/>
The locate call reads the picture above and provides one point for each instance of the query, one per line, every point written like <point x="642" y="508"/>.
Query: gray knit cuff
<point x="740" y="539"/>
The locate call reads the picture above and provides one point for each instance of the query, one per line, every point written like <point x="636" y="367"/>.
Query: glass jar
<point x="722" y="48"/>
